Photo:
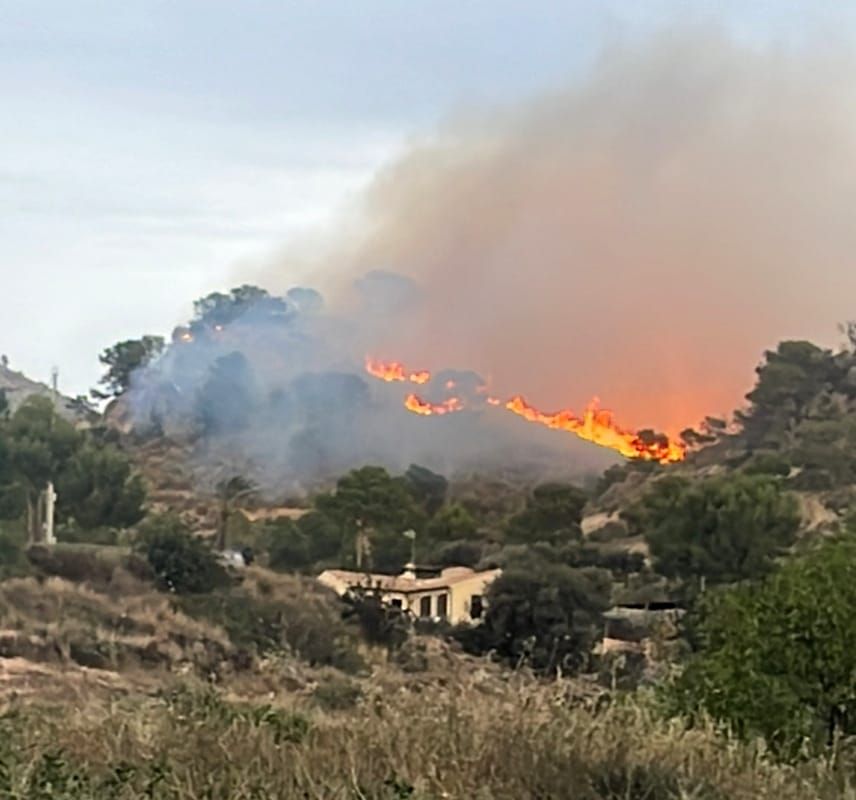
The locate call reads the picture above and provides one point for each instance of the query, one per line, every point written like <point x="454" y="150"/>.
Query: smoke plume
<point x="641" y="236"/>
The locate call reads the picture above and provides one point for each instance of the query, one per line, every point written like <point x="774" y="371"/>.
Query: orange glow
<point x="390" y="371"/>
<point x="597" y="425"/>
<point x="417" y="405"/>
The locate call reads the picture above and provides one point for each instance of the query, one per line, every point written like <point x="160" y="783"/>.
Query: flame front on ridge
<point x="390" y="371"/>
<point x="417" y="405"/>
<point x="596" y="425"/>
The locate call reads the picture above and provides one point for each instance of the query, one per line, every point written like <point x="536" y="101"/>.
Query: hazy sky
<point x="150" y="150"/>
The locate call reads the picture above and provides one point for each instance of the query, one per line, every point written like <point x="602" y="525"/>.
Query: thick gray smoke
<point x="274" y="388"/>
<point x="641" y="236"/>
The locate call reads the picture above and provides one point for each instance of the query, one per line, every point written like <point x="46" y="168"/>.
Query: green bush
<point x="725" y="528"/>
<point x="553" y="514"/>
<point x="545" y="615"/>
<point x="776" y="659"/>
<point x="767" y="464"/>
<point x="380" y="624"/>
<point x="74" y="535"/>
<point x="181" y="563"/>
<point x="307" y="625"/>
<point x="13" y="561"/>
<point x="288" y="547"/>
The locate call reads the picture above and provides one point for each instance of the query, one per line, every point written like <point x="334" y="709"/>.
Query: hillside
<point x="161" y="700"/>
<point x="17" y="387"/>
<point x="142" y="626"/>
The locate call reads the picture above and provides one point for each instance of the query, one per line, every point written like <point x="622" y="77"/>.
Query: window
<point x="425" y="606"/>
<point x="395" y="602"/>
<point x="476" y="606"/>
<point x="442" y="606"/>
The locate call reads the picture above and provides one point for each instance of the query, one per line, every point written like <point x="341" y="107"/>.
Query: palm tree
<point x="229" y="491"/>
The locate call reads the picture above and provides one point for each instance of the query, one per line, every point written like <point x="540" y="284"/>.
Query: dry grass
<point x="465" y="740"/>
<point x="83" y="715"/>
<point x="60" y="621"/>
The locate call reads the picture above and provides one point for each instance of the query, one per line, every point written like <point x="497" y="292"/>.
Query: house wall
<point x="413" y="601"/>
<point x="462" y="592"/>
<point x="459" y="595"/>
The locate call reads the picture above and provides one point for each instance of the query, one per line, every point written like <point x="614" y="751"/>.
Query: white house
<point x="455" y="594"/>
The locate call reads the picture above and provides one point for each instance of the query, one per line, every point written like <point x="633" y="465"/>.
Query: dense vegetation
<point x="94" y="480"/>
<point x="754" y="696"/>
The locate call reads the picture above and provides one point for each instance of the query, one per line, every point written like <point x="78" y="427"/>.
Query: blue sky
<point x="150" y="151"/>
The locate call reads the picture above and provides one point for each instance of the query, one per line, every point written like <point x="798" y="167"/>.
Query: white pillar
<point x="50" y="500"/>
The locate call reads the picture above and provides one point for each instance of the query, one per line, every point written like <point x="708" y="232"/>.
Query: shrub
<point x="287" y="546"/>
<point x="553" y="514"/>
<point x="101" y="536"/>
<point x="13" y="561"/>
<point x="767" y="464"/>
<point x="544" y="615"/>
<point x="380" y="624"/>
<point x="72" y="562"/>
<point x="337" y="694"/>
<point x="775" y="659"/>
<point x="306" y="624"/>
<point x="812" y="479"/>
<point x="724" y="528"/>
<point x="181" y="563"/>
<point x="610" y="532"/>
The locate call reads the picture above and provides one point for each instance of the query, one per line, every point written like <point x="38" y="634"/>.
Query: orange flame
<point x="417" y="405"/>
<point x="597" y="425"/>
<point x="390" y="371"/>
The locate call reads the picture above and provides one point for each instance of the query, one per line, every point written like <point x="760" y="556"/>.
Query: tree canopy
<point x="122" y="360"/>
<point x="776" y="659"/>
<point x="545" y="615"/>
<point x="95" y="483"/>
<point x="369" y="503"/>
<point x="553" y="514"/>
<point x="181" y="562"/>
<point x="221" y="309"/>
<point x="723" y="529"/>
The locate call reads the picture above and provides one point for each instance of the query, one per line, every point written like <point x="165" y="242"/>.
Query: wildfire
<point x="417" y="405"/>
<point x="596" y="425"/>
<point x="390" y="371"/>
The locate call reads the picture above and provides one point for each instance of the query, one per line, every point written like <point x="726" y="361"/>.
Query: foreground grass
<point x="520" y="740"/>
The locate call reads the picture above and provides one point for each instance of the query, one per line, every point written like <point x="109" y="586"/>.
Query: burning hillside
<point x="279" y="389"/>
<point x="642" y="232"/>
<point x="597" y="425"/>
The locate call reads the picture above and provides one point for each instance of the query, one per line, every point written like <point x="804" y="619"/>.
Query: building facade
<point x="454" y="594"/>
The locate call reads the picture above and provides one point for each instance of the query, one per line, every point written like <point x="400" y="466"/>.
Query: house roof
<point x="403" y="583"/>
